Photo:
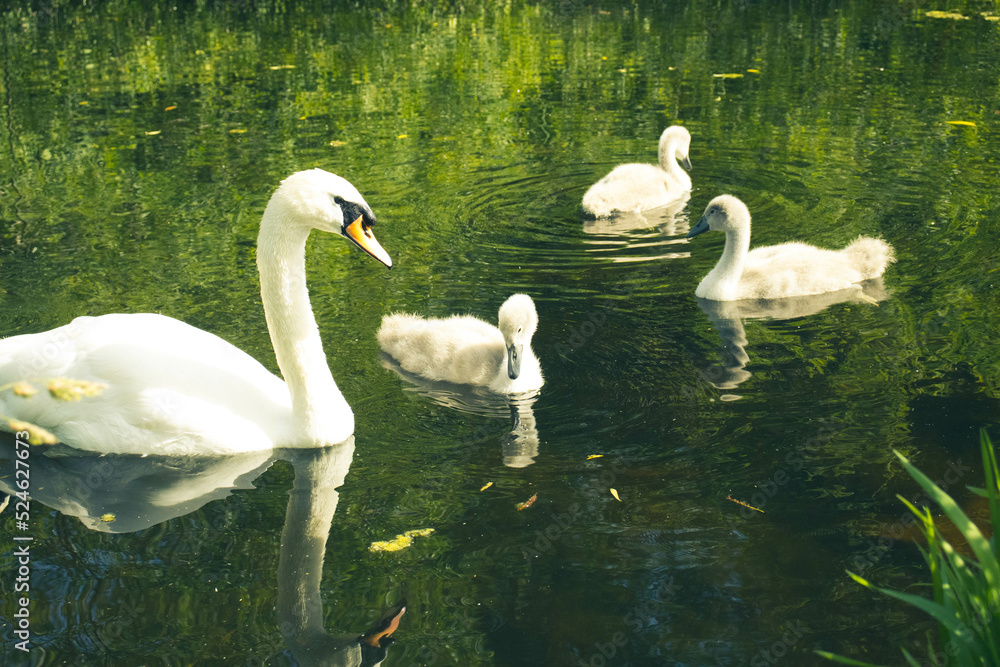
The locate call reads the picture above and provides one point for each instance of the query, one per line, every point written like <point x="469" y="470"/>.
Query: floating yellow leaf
<point x="935" y="14"/>
<point x="730" y="75"/>
<point x="615" y="494"/>
<point x="282" y="67"/>
<point x="238" y="130"/>
<point x="153" y="133"/>
<point x="64" y="389"/>
<point x="400" y="542"/>
<point x="754" y="71"/>
<point x="36" y="434"/>
<point x="486" y="486"/>
<point x="527" y="503"/>
<point x="989" y="17"/>
<point x="24" y="389"/>
<point x="402" y="136"/>
<point x="961" y="122"/>
<point x="83" y="104"/>
<point x="107" y="518"/>
<point x="170" y="108"/>
<point x="594" y="456"/>
<point x="337" y="143"/>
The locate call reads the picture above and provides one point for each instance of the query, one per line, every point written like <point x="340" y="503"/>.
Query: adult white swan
<point x="466" y="350"/>
<point x="631" y="188"/>
<point x="174" y="389"/>
<point x="787" y="269"/>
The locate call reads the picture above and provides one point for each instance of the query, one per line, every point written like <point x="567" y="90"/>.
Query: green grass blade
<point x="844" y="661"/>
<point x="979" y="544"/>
<point x="944" y="616"/>
<point x="992" y="480"/>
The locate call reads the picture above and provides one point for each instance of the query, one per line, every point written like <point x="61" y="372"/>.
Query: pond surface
<point x="139" y="147"/>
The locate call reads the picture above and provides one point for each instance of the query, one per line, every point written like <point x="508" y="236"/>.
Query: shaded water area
<point x="138" y="147"/>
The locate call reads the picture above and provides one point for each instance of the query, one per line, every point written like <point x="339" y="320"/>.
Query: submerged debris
<point x="740" y="502"/>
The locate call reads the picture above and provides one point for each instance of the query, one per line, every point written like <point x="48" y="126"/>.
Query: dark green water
<point x="139" y="146"/>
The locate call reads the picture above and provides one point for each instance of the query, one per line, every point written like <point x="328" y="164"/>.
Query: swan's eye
<point x="519" y="329"/>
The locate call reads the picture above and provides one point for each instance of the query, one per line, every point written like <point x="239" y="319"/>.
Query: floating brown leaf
<point x="527" y="503"/>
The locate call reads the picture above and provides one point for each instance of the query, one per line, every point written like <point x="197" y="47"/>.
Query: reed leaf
<point x="966" y="601"/>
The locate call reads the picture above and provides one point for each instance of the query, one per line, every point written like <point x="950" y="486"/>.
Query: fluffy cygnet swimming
<point x="466" y="350"/>
<point x="787" y="269"/>
<point x="631" y="188"/>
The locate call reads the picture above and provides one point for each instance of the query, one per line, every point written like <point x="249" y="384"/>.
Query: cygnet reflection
<point x="728" y="316"/>
<point x="629" y="236"/>
<point x="519" y="445"/>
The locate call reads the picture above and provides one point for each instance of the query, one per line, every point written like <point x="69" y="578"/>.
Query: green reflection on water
<point x="139" y="146"/>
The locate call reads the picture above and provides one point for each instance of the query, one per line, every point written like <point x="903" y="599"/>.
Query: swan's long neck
<point x="669" y="164"/>
<point x="320" y="412"/>
<point x="729" y="268"/>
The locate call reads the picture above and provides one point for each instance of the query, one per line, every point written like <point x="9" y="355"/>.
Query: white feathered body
<point x="783" y="270"/>
<point x="631" y="188"/>
<point x="798" y="269"/>
<point x="171" y="388"/>
<point x="461" y="349"/>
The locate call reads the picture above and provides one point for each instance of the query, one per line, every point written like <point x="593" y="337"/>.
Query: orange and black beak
<point x="380" y="633"/>
<point x="363" y="237"/>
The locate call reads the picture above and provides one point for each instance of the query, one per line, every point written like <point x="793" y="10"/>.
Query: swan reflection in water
<point x="728" y="316"/>
<point x="311" y="506"/>
<point x="122" y="493"/>
<point x="666" y="227"/>
<point x="519" y="445"/>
